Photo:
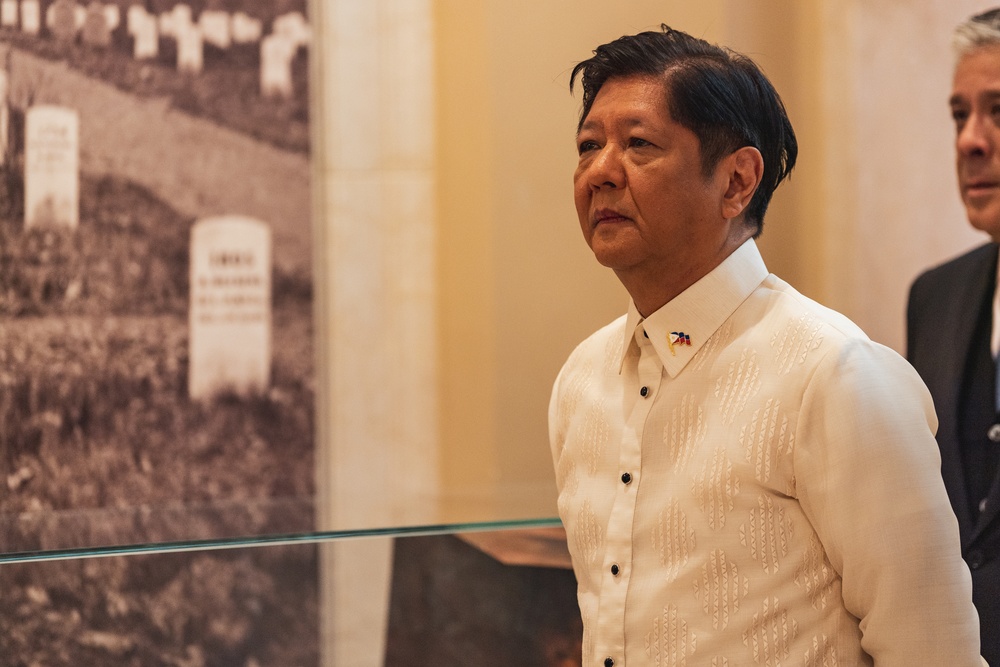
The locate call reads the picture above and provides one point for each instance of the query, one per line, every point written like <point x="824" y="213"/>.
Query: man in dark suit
<point x="953" y="325"/>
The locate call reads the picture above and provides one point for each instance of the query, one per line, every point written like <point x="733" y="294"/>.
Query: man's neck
<point x="652" y="289"/>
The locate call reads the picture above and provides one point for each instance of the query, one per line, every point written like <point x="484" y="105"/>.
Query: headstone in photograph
<point x="190" y="49"/>
<point x="5" y="139"/>
<point x="112" y="16"/>
<point x="31" y="17"/>
<point x="96" y="32"/>
<point x="166" y="24"/>
<point x="294" y="26"/>
<point x="215" y="28"/>
<point x="52" y="167"/>
<point x="246" y="29"/>
<point x="8" y="13"/>
<point x="4" y="116"/>
<point x="230" y="312"/>
<point x="276" y="54"/>
<point x="183" y="16"/>
<point x="133" y="15"/>
<point x="146" y="37"/>
<point x="61" y="20"/>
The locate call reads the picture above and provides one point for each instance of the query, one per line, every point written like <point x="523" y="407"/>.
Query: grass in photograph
<point x="227" y="91"/>
<point x="100" y="444"/>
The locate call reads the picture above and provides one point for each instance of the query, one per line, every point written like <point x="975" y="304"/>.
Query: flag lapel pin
<point x="675" y="338"/>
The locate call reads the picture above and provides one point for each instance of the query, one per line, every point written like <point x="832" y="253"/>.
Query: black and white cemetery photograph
<point x="157" y="378"/>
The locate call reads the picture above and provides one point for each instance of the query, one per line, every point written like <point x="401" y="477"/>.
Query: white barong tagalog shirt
<point x="746" y="479"/>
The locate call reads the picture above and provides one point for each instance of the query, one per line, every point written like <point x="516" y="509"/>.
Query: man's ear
<point x="744" y="168"/>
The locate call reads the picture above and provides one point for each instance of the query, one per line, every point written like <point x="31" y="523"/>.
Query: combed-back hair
<point x="976" y="32"/>
<point x="720" y="95"/>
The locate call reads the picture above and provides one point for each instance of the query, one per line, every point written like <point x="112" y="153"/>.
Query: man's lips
<point x="606" y="215"/>
<point x="980" y="187"/>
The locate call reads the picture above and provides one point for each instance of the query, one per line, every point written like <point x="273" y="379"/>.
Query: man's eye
<point x="638" y="142"/>
<point x="959" y="116"/>
<point x="586" y="146"/>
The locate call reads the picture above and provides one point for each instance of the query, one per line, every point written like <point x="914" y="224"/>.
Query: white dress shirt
<point x="746" y="479"/>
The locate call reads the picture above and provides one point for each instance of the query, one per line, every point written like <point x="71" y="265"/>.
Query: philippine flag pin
<point x="675" y="338"/>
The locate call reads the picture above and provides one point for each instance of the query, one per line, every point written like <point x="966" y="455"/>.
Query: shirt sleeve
<point x="868" y="477"/>
<point x="554" y="419"/>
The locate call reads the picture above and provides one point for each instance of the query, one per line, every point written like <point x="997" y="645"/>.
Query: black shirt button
<point x="645" y="390"/>
<point x="609" y="662"/>
<point x="976" y="559"/>
<point x="626" y="478"/>
<point x="615" y="570"/>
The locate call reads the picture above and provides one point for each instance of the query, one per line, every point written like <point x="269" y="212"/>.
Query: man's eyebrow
<point x="627" y="122"/>
<point x="987" y="96"/>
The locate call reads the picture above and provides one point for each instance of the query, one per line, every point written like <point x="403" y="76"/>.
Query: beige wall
<point x="518" y="286"/>
<point x="871" y="202"/>
<point x="479" y="284"/>
<point x="889" y="204"/>
<point x="457" y="281"/>
<point x="486" y="272"/>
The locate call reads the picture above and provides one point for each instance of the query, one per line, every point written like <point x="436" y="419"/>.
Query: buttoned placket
<point x="642" y="379"/>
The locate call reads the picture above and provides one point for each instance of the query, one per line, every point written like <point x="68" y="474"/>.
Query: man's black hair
<point x="718" y="94"/>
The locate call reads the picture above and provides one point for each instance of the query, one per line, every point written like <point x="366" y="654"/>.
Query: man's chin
<point x="986" y="220"/>
<point x="612" y="258"/>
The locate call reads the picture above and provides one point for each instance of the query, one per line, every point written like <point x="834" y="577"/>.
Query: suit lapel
<point x="959" y="310"/>
<point x="982" y="277"/>
<point x="993" y="498"/>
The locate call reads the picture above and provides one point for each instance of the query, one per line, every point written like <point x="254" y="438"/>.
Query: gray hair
<point x="976" y="32"/>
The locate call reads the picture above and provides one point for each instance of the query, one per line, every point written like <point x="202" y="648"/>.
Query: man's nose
<point x="973" y="138"/>
<point x="606" y="169"/>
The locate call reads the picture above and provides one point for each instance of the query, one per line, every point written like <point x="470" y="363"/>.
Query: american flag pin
<point x="677" y="338"/>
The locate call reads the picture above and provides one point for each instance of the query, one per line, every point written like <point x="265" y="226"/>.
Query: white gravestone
<point x="4" y="117"/>
<point x="294" y="26"/>
<point x="229" y="347"/>
<point x="133" y="15"/>
<point x="183" y="16"/>
<point x="52" y="167"/>
<point x="246" y="29"/>
<point x="215" y="28"/>
<point x="276" y="54"/>
<point x="190" y="49"/>
<point x="31" y="17"/>
<point x="146" y="37"/>
<point x="166" y="24"/>
<point x="112" y="16"/>
<point x="8" y="13"/>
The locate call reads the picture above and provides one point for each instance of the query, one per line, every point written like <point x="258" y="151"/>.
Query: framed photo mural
<point x="157" y="379"/>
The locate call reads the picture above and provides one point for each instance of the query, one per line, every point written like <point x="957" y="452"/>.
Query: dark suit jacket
<point x="941" y="317"/>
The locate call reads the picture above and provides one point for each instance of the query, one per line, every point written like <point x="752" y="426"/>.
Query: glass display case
<point x="284" y="287"/>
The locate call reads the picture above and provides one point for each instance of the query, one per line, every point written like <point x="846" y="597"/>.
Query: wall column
<point x="377" y="447"/>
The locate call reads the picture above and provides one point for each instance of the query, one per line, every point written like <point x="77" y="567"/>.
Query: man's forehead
<point x="977" y="75"/>
<point x="981" y="95"/>
<point x="592" y="122"/>
<point x="628" y="101"/>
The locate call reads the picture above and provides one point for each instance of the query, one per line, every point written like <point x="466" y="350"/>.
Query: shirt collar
<point x="681" y="327"/>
